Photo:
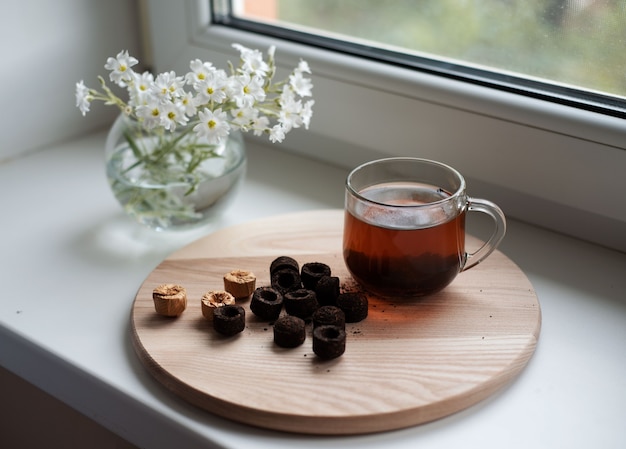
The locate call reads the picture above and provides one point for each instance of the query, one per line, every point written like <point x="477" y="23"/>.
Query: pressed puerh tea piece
<point x="229" y="320"/>
<point x="312" y="272"/>
<point x="170" y="299"/>
<point x="286" y="280"/>
<point x="240" y="283"/>
<point x="289" y="331"/>
<point x="354" y="305"/>
<point x="284" y="263"/>
<point x="329" y="315"/>
<point x="327" y="290"/>
<point x="301" y="303"/>
<point x="213" y="299"/>
<point x="329" y="341"/>
<point x="266" y="303"/>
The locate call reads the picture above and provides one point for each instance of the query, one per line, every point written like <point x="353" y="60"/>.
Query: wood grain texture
<point x="409" y="362"/>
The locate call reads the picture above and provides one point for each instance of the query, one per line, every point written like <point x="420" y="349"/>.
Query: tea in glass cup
<point x="404" y="229"/>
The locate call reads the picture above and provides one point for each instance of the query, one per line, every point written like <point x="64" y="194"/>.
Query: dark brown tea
<point x="391" y="257"/>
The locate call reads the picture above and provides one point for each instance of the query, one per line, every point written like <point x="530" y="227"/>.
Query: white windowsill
<point x="76" y="264"/>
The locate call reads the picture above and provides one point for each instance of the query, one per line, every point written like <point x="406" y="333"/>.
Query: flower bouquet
<point x="175" y="133"/>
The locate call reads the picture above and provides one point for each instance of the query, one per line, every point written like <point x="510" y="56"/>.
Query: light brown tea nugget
<point x="170" y="299"/>
<point x="240" y="283"/>
<point x="213" y="299"/>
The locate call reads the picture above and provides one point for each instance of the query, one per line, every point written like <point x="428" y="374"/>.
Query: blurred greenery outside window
<point x="577" y="45"/>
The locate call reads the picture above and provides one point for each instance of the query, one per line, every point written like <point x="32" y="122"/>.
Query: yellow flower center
<point x="211" y="124"/>
<point x="209" y="90"/>
<point x="171" y="115"/>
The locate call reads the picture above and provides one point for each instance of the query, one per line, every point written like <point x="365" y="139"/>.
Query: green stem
<point x="188" y="155"/>
<point x="133" y="146"/>
<point x="160" y="153"/>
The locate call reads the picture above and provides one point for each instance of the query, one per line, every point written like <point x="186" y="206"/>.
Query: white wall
<point x="46" y="47"/>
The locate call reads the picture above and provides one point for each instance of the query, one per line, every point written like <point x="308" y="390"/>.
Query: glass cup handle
<point x="491" y="209"/>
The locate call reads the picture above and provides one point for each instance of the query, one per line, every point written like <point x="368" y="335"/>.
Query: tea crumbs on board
<point x="170" y="299"/>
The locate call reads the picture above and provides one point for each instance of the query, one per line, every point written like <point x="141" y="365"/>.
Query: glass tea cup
<point x="404" y="229"/>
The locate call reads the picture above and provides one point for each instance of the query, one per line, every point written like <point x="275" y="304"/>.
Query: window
<point x="544" y="162"/>
<point x="570" y="51"/>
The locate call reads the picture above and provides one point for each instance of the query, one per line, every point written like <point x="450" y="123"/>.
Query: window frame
<point x="546" y="163"/>
<point x="445" y="67"/>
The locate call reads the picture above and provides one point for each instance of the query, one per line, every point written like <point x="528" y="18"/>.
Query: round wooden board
<point x="409" y="362"/>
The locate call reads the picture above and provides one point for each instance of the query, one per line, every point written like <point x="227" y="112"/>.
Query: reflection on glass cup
<point x="404" y="230"/>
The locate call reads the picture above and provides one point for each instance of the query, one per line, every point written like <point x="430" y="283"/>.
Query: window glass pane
<point x="573" y="43"/>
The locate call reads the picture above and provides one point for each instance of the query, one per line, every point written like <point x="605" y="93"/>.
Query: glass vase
<point x="172" y="180"/>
